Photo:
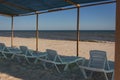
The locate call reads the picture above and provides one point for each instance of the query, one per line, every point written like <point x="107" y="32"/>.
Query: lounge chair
<point x="32" y="54"/>
<point x="56" y="60"/>
<point x="97" y="63"/>
<point x="8" y="50"/>
<point x="2" y="47"/>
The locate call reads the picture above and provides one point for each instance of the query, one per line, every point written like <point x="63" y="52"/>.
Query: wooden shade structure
<point x="24" y="11"/>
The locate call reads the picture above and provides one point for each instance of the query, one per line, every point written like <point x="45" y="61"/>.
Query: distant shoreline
<point x="85" y="35"/>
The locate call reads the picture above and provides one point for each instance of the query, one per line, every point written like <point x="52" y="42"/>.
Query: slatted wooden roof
<point x="17" y="7"/>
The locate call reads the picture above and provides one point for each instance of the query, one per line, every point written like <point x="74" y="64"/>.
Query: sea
<point x="85" y="35"/>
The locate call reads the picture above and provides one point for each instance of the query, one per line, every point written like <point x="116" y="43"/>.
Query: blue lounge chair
<point x="97" y="63"/>
<point x="32" y="54"/>
<point x="56" y="60"/>
<point x="5" y="51"/>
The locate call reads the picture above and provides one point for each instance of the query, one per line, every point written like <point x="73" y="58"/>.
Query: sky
<point x="100" y="17"/>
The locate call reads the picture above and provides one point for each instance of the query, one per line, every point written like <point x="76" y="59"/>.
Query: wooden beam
<point x="7" y="15"/>
<point x="117" y="42"/>
<point x="37" y="32"/>
<point x="100" y="3"/>
<point x="73" y="3"/>
<point x="78" y="31"/>
<point x="12" y="31"/>
<point x="61" y="9"/>
<point x="16" y="6"/>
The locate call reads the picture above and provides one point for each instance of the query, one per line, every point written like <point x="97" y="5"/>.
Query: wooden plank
<point x="37" y="32"/>
<point x="61" y="9"/>
<point x="16" y="6"/>
<point x="100" y="3"/>
<point x="7" y="15"/>
<point x="117" y="42"/>
<point x="73" y="3"/>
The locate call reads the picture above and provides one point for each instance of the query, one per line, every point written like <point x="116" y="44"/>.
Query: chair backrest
<point x="98" y="59"/>
<point x="53" y="56"/>
<point x="2" y="46"/>
<point x="25" y="50"/>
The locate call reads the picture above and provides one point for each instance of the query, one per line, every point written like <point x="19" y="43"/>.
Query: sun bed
<point x="32" y="54"/>
<point x="56" y="60"/>
<point x="2" y="47"/>
<point x="97" y="63"/>
<point x="8" y="50"/>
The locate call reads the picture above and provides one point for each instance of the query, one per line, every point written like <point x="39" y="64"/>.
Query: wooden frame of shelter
<point x="117" y="35"/>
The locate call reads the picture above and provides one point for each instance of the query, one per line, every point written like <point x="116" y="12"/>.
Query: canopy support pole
<point x="117" y="42"/>
<point x="12" y="31"/>
<point x="78" y="19"/>
<point x="37" y="32"/>
<point x="78" y="32"/>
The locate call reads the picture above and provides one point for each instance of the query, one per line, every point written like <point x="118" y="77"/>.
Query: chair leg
<point x="66" y="67"/>
<point x="106" y="76"/>
<point x="18" y="58"/>
<point x="84" y="73"/>
<point x="91" y="73"/>
<point x="57" y="68"/>
<point x="44" y="65"/>
<point x="36" y="60"/>
<point x="27" y="60"/>
<point x="4" y="55"/>
<point x="112" y="76"/>
<point x="13" y="56"/>
<point x="83" y="70"/>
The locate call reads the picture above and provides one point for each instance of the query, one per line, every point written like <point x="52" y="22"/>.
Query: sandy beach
<point x="63" y="47"/>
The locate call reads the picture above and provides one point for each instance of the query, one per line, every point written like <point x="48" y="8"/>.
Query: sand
<point x="63" y="47"/>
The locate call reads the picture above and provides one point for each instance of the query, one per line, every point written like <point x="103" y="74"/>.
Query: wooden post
<point x="37" y="32"/>
<point x="12" y="32"/>
<point x="117" y="42"/>
<point x="78" y="32"/>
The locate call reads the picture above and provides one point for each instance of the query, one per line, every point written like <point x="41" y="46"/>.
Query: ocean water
<point x="85" y="35"/>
